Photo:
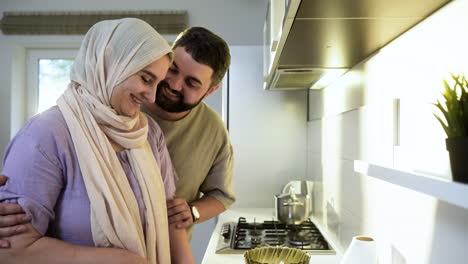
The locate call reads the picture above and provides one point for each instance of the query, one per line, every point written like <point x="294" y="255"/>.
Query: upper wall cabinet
<point x="272" y="30"/>
<point x="307" y="41"/>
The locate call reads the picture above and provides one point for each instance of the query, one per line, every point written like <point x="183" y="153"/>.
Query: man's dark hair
<point x="206" y="48"/>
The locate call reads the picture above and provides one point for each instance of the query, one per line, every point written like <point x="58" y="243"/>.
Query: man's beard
<point x="172" y="106"/>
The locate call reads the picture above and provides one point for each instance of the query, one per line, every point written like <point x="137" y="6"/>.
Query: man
<point x="196" y="137"/>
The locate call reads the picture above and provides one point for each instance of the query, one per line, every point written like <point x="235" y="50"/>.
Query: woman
<point x="88" y="170"/>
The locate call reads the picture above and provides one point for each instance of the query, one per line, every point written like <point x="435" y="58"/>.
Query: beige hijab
<point x="111" y="52"/>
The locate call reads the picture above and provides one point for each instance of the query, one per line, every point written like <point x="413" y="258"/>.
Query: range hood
<point x="326" y="37"/>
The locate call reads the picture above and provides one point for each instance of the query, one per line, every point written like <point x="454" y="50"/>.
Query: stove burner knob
<point x="226" y="231"/>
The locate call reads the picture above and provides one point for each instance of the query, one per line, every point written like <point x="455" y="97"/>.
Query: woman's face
<point x="128" y="96"/>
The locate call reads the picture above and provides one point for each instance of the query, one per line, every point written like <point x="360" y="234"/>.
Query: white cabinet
<point x="278" y="21"/>
<point x="272" y="31"/>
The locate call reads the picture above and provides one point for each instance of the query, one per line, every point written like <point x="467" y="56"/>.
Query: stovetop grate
<point x="305" y="236"/>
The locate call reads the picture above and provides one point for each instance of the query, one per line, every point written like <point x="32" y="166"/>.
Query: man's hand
<point x="179" y="213"/>
<point x="11" y="219"/>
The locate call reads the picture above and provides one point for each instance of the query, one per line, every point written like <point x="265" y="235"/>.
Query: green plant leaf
<point x="454" y="107"/>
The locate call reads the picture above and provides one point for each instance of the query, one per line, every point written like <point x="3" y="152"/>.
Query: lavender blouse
<point x="44" y="177"/>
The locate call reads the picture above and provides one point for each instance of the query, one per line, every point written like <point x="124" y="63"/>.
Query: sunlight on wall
<point x="331" y="139"/>
<point x="339" y="99"/>
<point x="331" y="156"/>
<point x="329" y="77"/>
<point x="411" y="69"/>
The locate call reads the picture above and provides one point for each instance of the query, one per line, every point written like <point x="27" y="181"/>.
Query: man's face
<point x="187" y="83"/>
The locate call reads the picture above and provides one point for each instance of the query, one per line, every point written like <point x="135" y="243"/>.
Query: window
<point x="48" y="74"/>
<point x="54" y="76"/>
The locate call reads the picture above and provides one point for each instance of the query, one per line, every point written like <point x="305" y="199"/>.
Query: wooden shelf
<point x="449" y="191"/>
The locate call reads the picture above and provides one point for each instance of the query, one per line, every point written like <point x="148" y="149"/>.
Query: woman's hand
<point x="181" y="253"/>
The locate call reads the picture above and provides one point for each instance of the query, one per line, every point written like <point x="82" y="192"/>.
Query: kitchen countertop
<point x="260" y="215"/>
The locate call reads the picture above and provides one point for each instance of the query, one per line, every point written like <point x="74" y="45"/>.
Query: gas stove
<point x="238" y="237"/>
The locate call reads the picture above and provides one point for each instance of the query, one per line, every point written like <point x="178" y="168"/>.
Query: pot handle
<point x="288" y="185"/>
<point x="293" y="203"/>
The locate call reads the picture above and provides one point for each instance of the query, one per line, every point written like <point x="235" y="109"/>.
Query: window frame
<point x="32" y="74"/>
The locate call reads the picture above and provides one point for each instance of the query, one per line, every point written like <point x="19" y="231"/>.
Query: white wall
<point x="238" y="22"/>
<point x="358" y="124"/>
<point x="268" y="131"/>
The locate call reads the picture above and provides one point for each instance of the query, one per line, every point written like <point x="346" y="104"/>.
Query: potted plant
<point x="455" y="123"/>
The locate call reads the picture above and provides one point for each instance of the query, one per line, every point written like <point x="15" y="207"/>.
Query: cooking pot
<point x="292" y="208"/>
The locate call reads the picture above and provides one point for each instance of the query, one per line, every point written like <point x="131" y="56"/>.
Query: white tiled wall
<point x="268" y="130"/>
<point x="357" y="123"/>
